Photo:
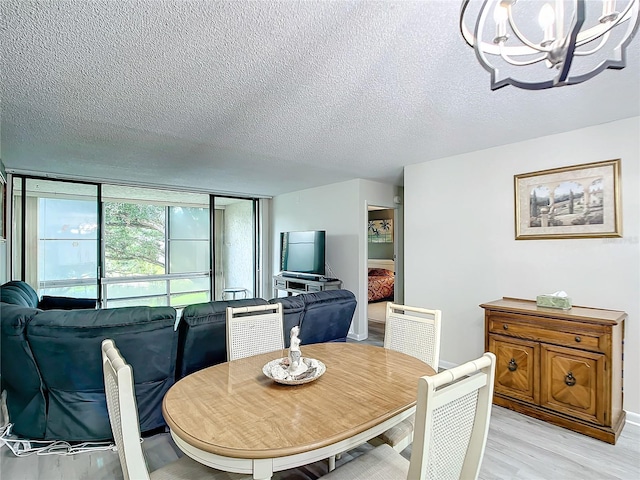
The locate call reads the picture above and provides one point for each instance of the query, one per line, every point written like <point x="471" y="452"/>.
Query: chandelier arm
<point x="521" y="37"/>
<point x="603" y="40"/>
<point x="466" y="34"/>
<point x="569" y="43"/>
<point x="594" y="32"/>
<point x="516" y="63"/>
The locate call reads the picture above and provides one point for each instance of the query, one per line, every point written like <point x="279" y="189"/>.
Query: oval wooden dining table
<point x="232" y="417"/>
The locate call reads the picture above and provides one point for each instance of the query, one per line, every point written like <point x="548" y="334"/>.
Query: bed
<point x="381" y="279"/>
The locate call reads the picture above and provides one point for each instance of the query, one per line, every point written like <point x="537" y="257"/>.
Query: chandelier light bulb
<point x="500" y="13"/>
<point x="546" y="19"/>
<point x="547" y="16"/>
<point x="500" y="16"/>
<point x="608" y="6"/>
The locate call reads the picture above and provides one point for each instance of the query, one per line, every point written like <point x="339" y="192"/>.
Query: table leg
<point x="262" y="469"/>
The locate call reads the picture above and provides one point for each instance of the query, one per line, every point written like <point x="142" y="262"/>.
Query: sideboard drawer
<point x="504" y="326"/>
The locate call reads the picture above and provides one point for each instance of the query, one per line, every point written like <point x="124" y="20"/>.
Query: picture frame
<point x="380" y="231"/>
<point x="579" y="201"/>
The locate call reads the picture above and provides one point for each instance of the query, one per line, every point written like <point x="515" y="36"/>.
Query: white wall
<point x="460" y="249"/>
<point x="341" y="210"/>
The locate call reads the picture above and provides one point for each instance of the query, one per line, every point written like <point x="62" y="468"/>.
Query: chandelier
<point x="572" y="41"/>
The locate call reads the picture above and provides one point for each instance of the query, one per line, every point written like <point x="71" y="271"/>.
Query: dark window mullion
<point x="100" y="246"/>
<point x="167" y="251"/>
<point x="212" y="245"/>
<point x="256" y="249"/>
<point x="23" y="240"/>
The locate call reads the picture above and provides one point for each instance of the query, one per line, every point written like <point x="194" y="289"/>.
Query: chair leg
<point x="332" y="463"/>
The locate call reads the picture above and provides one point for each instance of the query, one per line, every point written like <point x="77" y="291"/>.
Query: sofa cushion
<point x="66" y="344"/>
<point x="292" y="311"/>
<point x="20" y="293"/>
<point x="203" y="334"/>
<point x="327" y="316"/>
<point x="21" y="380"/>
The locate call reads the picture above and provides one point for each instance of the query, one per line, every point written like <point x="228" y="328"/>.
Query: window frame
<point x="102" y="282"/>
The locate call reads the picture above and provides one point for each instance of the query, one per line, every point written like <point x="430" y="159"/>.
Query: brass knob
<point x="570" y="380"/>
<point x="578" y="339"/>
<point x="513" y="366"/>
<point x="505" y="326"/>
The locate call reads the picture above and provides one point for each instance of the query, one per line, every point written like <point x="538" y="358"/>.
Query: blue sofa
<point x="51" y="366"/>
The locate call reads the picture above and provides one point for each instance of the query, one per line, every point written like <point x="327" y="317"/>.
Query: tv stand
<point x="296" y="285"/>
<point x="301" y="276"/>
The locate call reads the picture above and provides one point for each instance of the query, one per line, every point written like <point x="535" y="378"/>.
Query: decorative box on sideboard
<point x="561" y="366"/>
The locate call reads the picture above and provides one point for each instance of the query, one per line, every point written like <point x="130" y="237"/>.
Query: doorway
<point x="381" y="268"/>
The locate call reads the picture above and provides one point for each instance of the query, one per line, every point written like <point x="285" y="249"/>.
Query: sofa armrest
<point x="20" y="377"/>
<point x="327" y="316"/>
<point x="17" y="292"/>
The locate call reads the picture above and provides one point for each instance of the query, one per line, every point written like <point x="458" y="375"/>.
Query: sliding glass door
<point x="60" y="227"/>
<point x="125" y="245"/>
<point x="235" y="252"/>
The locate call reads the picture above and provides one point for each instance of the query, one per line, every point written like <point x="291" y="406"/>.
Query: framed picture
<point x="569" y="202"/>
<point x="381" y="231"/>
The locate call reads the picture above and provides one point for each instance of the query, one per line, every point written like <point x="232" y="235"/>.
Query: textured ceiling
<point x="264" y="97"/>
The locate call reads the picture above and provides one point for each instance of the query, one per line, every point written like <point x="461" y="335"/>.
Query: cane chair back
<point x="123" y="416"/>
<point x="414" y="331"/>
<point x="253" y="330"/>
<point x="452" y="423"/>
<point x="123" y="412"/>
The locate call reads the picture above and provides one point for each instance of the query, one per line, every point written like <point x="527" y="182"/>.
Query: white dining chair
<point x="452" y="422"/>
<point x="414" y="331"/>
<point x="123" y="416"/>
<point x="253" y="330"/>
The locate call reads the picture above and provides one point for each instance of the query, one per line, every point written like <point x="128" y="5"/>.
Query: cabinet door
<point x="516" y="367"/>
<point x="573" y="382"/>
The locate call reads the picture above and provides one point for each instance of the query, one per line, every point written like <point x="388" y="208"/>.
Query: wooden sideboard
<point x="560" y="366"/>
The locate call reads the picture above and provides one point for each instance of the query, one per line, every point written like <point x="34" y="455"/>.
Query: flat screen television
<point x="302" y="253"/>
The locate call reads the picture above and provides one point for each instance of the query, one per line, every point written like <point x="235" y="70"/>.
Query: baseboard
<point x="356" y="336"/>
<point x="632" y="417"/>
